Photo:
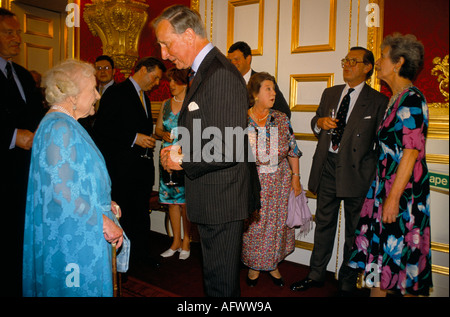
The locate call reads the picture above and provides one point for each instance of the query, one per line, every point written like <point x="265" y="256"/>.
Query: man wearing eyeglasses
<point x="343" y="164"/>
<point x="104" y="72"/>
<point x="104" y="66"/>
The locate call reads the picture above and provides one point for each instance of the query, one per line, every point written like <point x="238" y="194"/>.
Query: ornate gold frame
<point x="295" y="45"/>
<point x="232" y="4"/>
<point x="327" y="77"/>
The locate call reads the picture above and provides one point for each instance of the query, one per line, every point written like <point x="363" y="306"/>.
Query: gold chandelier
<point x="118" y="23"/>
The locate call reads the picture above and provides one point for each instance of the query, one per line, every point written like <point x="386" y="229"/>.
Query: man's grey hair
<point x="182" y="18"/>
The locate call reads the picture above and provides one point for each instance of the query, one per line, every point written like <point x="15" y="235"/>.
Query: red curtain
<point x="91" y="47"/>
<point x="428" y="21"/>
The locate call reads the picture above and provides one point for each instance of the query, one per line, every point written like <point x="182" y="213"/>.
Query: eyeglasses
<point x="351" y="61"/>
<point x="99" y="68"/>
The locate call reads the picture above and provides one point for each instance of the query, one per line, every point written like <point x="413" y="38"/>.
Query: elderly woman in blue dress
<point x="69" y="226"/>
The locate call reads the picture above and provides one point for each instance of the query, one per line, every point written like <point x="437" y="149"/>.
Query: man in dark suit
<point x="343" y="164"/>
<point x="20" y="112"/>
<point x="123" y="131"/>
<point x="217" y="191"/>
<point x="240" y="55"/>
<point x="104" y="73"/>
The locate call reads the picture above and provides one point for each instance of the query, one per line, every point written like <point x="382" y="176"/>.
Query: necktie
<point x="141" y="95"/>
<point x="191" y="76"/>
<point x="10" y="77"/>
<point x="342" y="118"/>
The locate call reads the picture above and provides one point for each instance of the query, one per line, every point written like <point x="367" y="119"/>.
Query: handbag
<point x="299" y="214"/>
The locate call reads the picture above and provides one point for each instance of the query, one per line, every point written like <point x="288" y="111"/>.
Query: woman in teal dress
<point x="69" y="223"/>
<point x="393" y="237"/>
<point x="171" y="187"/>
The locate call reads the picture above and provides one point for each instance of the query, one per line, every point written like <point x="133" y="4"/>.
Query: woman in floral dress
<point x="393" y="236"/>
<point x="268" y="240"/>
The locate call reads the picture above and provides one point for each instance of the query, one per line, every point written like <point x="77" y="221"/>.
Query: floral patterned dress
<point x="267" y="240"/>
<point x="397" y="256"/>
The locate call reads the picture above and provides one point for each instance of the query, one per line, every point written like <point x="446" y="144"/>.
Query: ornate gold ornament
<point x="441" y="70"/>
<point x="118" y="23"/>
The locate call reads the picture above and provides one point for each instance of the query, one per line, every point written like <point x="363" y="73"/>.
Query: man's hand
<point x="326" y="123"/>
<point x="145" y="141"/>
<point x="24" y="139"/>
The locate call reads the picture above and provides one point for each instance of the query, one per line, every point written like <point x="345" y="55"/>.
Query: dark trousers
<point x="221" y="249"/>
<point x="135" y="221"/>
<point x="326" y="219"/>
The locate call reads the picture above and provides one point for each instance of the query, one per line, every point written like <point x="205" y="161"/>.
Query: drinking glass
<point x="332" y="116"/>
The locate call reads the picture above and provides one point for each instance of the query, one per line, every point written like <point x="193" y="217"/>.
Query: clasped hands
<point x="112" y="232"/>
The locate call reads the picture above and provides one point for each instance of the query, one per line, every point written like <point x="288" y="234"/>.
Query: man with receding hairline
<point x="218" y="192"/>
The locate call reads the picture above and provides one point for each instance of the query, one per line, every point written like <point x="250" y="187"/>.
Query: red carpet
<point x="136" y="288"/>
<point x="176" y="277"/>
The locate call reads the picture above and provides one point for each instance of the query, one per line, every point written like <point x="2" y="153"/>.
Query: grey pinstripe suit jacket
<point x="216" y="192"/>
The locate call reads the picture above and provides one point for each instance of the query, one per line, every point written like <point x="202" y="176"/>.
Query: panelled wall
<point x="301" y="42"/>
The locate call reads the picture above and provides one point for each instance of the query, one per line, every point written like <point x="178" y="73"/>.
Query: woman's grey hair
<point x="182" y="18"/>
<point x="63" y="80"/>
<point x="408" y="47"/>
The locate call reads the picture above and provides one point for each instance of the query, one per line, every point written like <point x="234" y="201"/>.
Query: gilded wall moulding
<point x="118" y="23"/>
<point x="439" y="120"/>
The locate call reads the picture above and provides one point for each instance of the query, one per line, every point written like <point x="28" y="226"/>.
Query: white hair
<point x="63" y="80"/>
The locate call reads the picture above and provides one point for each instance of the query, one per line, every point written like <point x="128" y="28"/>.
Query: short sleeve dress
<point x="397" y="256"/>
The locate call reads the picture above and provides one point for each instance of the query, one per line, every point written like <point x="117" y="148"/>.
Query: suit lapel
<point x="198" y="79"/>
<point x="137" y="100"/>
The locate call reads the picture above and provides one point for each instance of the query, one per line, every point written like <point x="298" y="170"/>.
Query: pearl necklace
<point x="175" y="98"/>
<point x="62" y="109"/>
<point x="394" y="97"/>
<point x="255" y="117"/>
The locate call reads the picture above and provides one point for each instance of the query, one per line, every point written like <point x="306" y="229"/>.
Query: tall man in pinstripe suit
<point x="218" y="191"/>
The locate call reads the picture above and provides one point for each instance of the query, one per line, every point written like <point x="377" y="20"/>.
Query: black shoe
<point x="251" y="282"/>
<point x="305" y="284"/>
<point x="277" y="281"/>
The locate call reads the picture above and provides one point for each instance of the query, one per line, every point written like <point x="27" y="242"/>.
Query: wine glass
<point x="145" y="155"/>
<point x="171" y="182"/>
<point x="332" y="116"/>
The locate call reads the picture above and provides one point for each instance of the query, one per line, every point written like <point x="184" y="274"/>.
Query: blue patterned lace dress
<point x="65" y="252"/>
<point x="169" y="194"/>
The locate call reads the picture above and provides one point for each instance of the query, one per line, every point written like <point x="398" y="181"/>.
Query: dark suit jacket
<point x="88" y="122"/>
<point x="216" y="192"/>
<point x="16" y="113"/>
<point x="280" y="103"/>
<point x="120" y="116"/>
<point x="356" y="156"/>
